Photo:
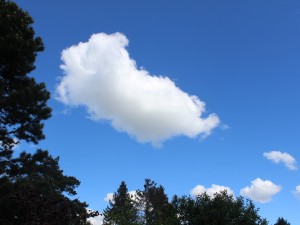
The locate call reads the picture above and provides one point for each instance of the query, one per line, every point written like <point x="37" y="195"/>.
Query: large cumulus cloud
<point x="100" y="75"/>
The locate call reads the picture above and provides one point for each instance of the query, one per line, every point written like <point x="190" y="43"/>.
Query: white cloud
<point x="297" y="191"/>
<point x="260" y="190"/>
<point x="199" y="189"/>
<point x="278" y="157"/>
<point x="225" y="126"/>
<point x="109" y="196"/>
<point x="132" y="195"/>
<point x="100" y="75"/>
<point x="97" y="220"/>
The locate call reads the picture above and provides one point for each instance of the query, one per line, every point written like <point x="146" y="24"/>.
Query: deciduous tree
<point x="221" y="209"/>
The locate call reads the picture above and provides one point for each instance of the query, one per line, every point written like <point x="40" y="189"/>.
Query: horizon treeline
<point x="151" y="206"/>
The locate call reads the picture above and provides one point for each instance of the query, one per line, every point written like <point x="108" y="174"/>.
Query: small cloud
<point x="282" y="157"/>
<point x="97" y="220"/>
<point x="101" y="76"/>
<point x="260" y="190"/>
<point x="108" y="197"/>
<point x="132" y="195"/>
<point x="297" y="192"/>
<point x="225" y="126"/>
<point x="199" y="189"/>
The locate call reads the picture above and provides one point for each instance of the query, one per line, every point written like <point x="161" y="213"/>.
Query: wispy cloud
<point x="296" y="192"/>
<point x="261" y="190"/>
<point x="225" y="126"/>
<point x="100" y="75"/>
<point x="282" y="157"/>
<point x="200" y="189"/>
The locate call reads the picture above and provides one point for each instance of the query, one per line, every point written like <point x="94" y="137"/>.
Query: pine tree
<point x="281" y="221"/>
<point x="154" y="204"/>
<point x="22" y="100"/>
<point x="34" y="191"/>
<point x="121" y="209"/>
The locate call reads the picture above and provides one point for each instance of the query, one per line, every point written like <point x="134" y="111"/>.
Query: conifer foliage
<point x="121" y="209"/>
<point x="33" y="189"/>
<point x="281" y="221"/>
<point x="151" y="206"/>
<point x="155" y="206"/>
<point x="22" y="100"/>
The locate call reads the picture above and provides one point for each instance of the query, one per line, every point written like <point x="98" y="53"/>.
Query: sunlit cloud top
<point x="100" y="75"/>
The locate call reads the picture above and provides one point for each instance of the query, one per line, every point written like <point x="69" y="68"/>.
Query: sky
<point x="195" y="95"/>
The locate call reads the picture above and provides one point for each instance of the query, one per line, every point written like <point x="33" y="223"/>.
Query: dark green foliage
<point x="222" y="209"/>
<point x="23" y="101"/>
<point x="121" y="209"/>
<point x="153" y="208"/>
<point x="154" y="205"/>
<point x="281" y="221"/>
<point x="33" y="191"/>
<point x="185" y="208"/>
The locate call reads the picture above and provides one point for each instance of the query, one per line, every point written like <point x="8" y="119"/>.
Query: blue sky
<point x="241" y="58"/>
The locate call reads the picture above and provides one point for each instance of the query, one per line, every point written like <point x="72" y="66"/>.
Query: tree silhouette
<point x="34" y="190"/>
<point x="221" y="209"/>
<point x="23" y="100"/>
<point x="121" y="209"/>
<point x="281" y="221"/>
<point x="154" y="205"/>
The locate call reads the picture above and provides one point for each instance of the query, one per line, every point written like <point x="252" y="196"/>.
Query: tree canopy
<point x="121" y="209"/>
<point x="221" y="209"/>
<point x="154" y="205"/>
<point x="23" y="101"/>
<point x="151" y="206"/>
<point x="34" y="190"/>
<point x="281" y="221"/>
